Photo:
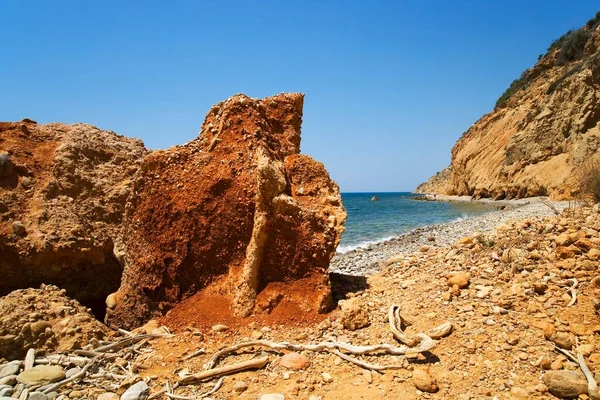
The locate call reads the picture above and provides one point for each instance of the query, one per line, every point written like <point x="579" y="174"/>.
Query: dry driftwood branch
<point x="92" y="353"/>
<point x="573" y="297"/>
<point x="65" y="361"/>
<point x="214" y="389"/>
<point x="226" y="370"/>
<point x="396" y="321"/>
<point x="425" y="344"/>
<point x="194" y="354"/>
<point x="127" y="342"/>
<point x="440" y="331"/>
<point x="551" y="206"/>
<point x="178" y="397"/>
<point x="592" y="385"/>
<point x="364" y="364"/>
<point x="418" y="344"/>
<point x="166" y="389"/>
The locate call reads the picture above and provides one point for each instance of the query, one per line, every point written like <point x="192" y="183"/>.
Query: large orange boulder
<point x="237" y="213"/>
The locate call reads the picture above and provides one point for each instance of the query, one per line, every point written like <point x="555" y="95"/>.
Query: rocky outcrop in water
<point x="63" y="190"/>
<point x="542" y="130"/>
<point x="237" y="212"/>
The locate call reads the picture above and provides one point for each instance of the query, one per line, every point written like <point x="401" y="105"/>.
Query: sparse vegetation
<point x="570" y="48"/>
<point x="588" y="178"/>
<point x="514" y="87"/>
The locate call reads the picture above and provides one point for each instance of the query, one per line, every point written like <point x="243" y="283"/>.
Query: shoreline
<point x="366" y="260"/>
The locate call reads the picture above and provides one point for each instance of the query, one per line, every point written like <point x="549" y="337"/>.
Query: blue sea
<point x="394" y="214"/>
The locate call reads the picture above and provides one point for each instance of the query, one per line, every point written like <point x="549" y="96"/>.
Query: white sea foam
<point x="362" y="245"/>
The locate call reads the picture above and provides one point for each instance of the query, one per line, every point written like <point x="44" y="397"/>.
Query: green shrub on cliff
<point x="514" y="87"/>
<point x="569" y="47"/>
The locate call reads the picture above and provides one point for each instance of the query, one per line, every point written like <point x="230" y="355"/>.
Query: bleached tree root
<point x="226" y="370"/>
<point x="419" y="343"/>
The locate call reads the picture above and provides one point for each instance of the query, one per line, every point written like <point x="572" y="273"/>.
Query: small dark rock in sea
<point x="375" y="198"/>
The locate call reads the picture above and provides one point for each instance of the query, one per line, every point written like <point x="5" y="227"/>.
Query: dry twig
<point x="226" y="370"/>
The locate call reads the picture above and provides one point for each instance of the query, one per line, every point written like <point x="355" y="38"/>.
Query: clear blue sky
<point x="390" y="85"/>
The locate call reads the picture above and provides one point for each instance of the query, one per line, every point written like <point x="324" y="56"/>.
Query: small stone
<point x="37" y="396"/>
<point x="272" y="396"/>
<point x="108" y="396"/>
<point x="518" y="393"/>
<point x="139" y="391"/>
<point x="72" y="371"/>
<point x="423" y="381"/>
<point x="18" y="228"/>
<point x="540" y="288"/>
<point x="39" y="327"/>
<point x="594" y="254"/>
<point x="41" y="375"/>
<point x="240" y="386"/>
<point x="257" y="335"/>
<point x="327" y="378"/>
<point x="562" y="340"/>
<point x="8" y="380"/>
<point x="512" y="340"/>
<point x="12" y="368"/>
<point x="585" y="349"/>
<point x="565" y="384"/>
<point x="563" y="240"/>
<point x="220" y="328"/>
<point x="77" y="394"/>
<point x="6" y="392"/>
<point x="368" y="375"/>
<point x="111" y="301"/>
<point x="557" y="364"/>
<point x="6" y="165"/>
<point x="354" y="314"/>
<point x="460" y="279"/>
<point x="294" y="361"/>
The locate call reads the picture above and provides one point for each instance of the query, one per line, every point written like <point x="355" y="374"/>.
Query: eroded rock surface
<point x="237" y="213"/>
<point x="536" y="139"/>
<point x="63" y="190"/>
<point x="44" y="319"/>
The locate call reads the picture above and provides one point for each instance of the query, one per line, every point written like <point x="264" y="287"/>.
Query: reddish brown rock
<point x="63" y="190"/>
<point x="236" y="215"/>
<point x="294" y="361"/>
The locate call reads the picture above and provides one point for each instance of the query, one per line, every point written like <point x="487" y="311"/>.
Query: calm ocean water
<point x="394" y="214"/>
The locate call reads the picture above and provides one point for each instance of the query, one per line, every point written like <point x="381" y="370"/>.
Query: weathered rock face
<point x="542" y="130"/>
<point x="236" y="212"/>
<point x="44" y="319"/>
<point x="63" y="190"/>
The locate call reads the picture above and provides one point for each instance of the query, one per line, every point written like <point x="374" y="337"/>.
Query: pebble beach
<point x="366" y="260"/>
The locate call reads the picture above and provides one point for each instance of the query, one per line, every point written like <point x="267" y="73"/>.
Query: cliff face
<point x="542" y="129"/>
<point x="236" y="214"/>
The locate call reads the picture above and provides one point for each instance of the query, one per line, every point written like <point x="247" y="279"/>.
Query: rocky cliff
<point x="542" y="129"/>
<point x="236" y="214"/>
<point x="63" y="190"/>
